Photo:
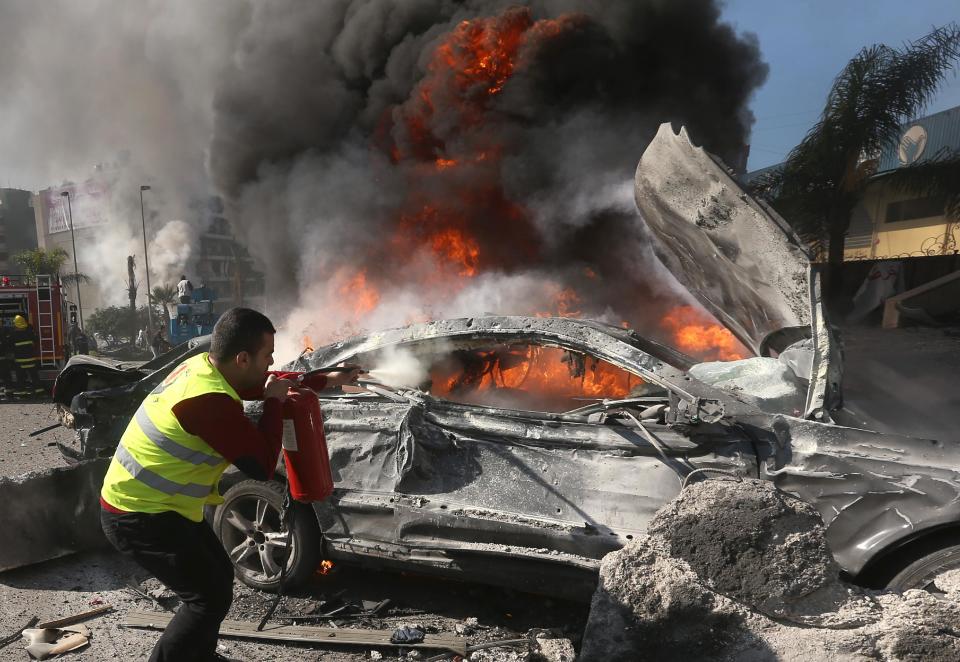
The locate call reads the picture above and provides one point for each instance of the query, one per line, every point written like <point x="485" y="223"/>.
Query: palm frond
<point x="75" y="278"/>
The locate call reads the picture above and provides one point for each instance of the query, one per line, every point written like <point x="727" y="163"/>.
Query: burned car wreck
<point x="524" y="449"/>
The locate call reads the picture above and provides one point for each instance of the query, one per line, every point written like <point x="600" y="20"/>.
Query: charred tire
<point x="923" y="572"/>
<point x="248" y="526"/>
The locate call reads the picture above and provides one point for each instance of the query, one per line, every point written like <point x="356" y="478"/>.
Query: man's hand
<point x="277" y="388"/>
<point x="342" y="377"/>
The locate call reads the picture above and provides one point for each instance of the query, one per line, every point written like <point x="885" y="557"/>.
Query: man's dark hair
<point x="239" y="330"/>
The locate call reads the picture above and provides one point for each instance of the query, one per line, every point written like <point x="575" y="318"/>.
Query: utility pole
<point x="146" y="262"/>
<point x="73" y="242"/>
<point x="132" y="293"/>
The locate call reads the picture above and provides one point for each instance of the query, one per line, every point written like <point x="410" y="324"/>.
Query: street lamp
<point x="73" y="242"/>
<point x="146" y="261"/>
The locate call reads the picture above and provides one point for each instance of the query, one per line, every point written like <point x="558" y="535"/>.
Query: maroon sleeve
<point x="219" y="420"/>
<point x="315" y="382"/>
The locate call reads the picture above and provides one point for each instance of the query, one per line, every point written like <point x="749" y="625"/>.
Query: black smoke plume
<point x="324" y="146"/>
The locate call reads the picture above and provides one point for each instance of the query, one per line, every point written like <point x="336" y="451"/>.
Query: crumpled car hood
<point x="737" y="257"/>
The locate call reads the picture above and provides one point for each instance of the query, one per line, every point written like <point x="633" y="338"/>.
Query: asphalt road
<point x="20" y="453"/>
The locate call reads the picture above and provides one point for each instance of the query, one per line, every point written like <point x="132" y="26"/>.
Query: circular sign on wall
<point x="911" y="144"/>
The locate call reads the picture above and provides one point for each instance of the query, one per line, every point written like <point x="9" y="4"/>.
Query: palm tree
<point x="37" y="261"/>
<point x="880" y="89"/>
<point x="160" y="296"/>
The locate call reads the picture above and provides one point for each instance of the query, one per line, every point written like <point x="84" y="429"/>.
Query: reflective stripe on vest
<point x="158" y="466"/>
<point x="169" y="445"/>
<point x="23" y="342"/>
<point x="156" y="481"/>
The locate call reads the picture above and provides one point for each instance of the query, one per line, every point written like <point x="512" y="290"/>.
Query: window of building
<point x="908" y="210"/>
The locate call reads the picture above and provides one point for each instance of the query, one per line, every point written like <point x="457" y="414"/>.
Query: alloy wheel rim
<point x="254" y="539"/>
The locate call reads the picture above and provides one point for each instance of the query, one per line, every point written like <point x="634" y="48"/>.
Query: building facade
<point x="17" y="229"/>
<point x="224" y="266"/>
<point x="891" y="224"/>
<point x="89" y="207"/>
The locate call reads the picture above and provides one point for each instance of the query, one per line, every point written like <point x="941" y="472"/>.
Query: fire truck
<point x="43" y="302"/>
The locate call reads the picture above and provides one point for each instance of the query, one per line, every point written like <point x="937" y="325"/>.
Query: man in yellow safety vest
<point x="168" y="464"/>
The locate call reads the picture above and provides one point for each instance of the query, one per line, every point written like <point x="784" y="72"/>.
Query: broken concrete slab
<point x="54" y="512"/>
<point x="739" y="570"/>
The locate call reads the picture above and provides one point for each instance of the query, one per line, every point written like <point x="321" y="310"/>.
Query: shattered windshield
<point x="523" y="376"/>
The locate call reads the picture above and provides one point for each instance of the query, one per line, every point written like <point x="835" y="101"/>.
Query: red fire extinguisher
<point x="305" y="454"/>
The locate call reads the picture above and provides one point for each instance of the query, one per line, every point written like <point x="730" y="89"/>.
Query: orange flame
<point x="565" y="303"/>
<point x="307" y="344"/>
<point x="544" y="372"/>
<point x="326" y="567"/>
<point x="442" y="231"/>
<point x="356" y="290"/>
<point x="458" y="249"/>
<point x="695" y="334"/>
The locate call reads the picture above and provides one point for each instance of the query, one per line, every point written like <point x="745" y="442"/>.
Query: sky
<point x="807" y="43"/>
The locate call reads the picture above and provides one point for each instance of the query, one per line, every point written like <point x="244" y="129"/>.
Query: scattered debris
<point x="36" y="433"/>
<point x="550" y="646"/>
<point x="140" y="593"/>
<point x="47" y="642"/>
<point x="408" y="634"/>
<point x="304" y="633"/>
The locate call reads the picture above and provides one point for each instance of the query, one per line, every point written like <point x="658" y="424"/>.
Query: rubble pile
<point x="737" y="570"/>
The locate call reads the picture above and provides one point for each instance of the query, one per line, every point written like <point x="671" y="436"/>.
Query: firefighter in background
<point x="25" y="357"/>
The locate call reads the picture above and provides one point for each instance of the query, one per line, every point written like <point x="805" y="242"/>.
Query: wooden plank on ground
<point x="304" y="633"/>
<point x="76" y="618"/>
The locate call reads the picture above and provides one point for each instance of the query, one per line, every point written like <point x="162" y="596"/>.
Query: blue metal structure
<point x="189" y="320"/>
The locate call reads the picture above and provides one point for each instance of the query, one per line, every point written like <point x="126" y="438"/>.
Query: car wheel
<point x="249" y="528"/>
<point x="926" y="570"/>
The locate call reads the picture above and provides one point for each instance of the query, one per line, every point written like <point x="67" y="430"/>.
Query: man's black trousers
<point x="187" y="557"/>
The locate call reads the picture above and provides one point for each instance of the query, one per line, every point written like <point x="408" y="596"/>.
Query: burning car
<point x="519" y="450"/>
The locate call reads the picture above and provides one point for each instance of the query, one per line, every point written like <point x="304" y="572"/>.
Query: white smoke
<point x="170" y="250"/>
<point x="398" y="367"/>
<point x="120" y="93"/>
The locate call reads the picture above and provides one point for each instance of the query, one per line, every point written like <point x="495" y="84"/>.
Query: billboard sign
<point x="90" y="204"/>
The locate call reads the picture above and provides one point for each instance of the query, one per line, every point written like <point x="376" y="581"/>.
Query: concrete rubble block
<point x="57" y="513"/>
<point x="736" y="570"/>
<point x="649" y="606"/>
<point x="754" y="544"/>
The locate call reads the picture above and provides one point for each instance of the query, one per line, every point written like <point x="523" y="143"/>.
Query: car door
<point x="481" y="477"/>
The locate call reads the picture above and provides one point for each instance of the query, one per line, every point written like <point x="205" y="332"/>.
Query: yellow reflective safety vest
<point x="24" y="348"/>
<point x="158" y="466"/>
